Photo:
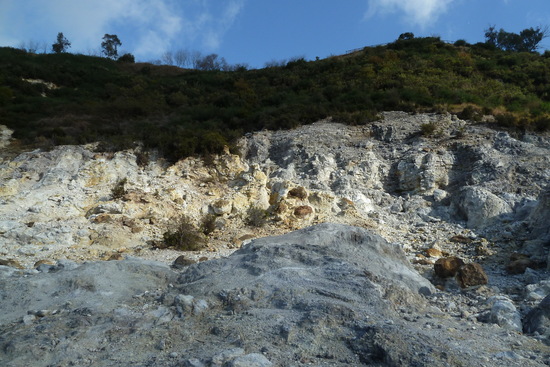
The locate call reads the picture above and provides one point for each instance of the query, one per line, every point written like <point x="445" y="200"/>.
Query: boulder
<point x="303" y="211"/>
<point x="479" y="207"/>
<point x="470" y="275"/>
<point x="504" y="313"/>
<point x="538" y="320"/>
<point x="448" y="266"/>
<point x="309" y="254"/>
<point x="434" y="252"/>
<point x="298" y="192"/>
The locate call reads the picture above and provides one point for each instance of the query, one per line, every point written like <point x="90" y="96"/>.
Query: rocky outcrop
<point x="479" y="207"/>
<point x="537" y="320"/>
<point x="329" y="294"/>
<point x="466" y="191"/>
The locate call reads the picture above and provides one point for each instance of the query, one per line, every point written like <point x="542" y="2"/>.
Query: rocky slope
<point x="432" y="185"/>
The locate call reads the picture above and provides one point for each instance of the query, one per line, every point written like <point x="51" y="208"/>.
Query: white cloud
<point x="145" y="27"/>
<point x="419" y="12"/>
<point x="207" y="24"/>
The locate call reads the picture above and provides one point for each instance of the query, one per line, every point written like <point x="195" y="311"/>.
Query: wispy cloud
<point x="207" y="22"/>
<point x="418" y="12"/>
<point x="145" y="27"/>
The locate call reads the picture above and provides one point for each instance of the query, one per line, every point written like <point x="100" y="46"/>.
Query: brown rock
<point x="518" y="266"/>
<point x="298" y="192"/>
<point x="103" y="218"/>
<point x="447" y="266"/>
<point x="520" y="262"/>
<point x="434" y="252"/>
<point x="182" y="262"/>
<point x="11" y="263"/>
<point x="115" y="257"/>
<point x="518" y="256"/>
<point x="40" y="262"/>
<point x="471" y="275"/>
<point x="128" y="222"/>
<point x="303" y="211"/>
<point x="460" y="239"/>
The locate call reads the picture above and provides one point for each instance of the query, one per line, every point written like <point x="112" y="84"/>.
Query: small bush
<point x="428" y="129"/>
<point x="128" y="58"/>
<point x="119" y="190"/>
<point x="461" y="43"/>
<point x="256" y="216"/>
<point x="470" y="113"/>
<point x="142" y="159"/>
<point x="184" y="237"/>
<point x="542" y="123"/>
<point x="506" y="120"/>
<point x="208" y="224"/>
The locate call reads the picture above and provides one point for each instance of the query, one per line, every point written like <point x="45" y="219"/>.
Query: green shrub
<point x="470" y="113"/>
<point x="256" y="216"/>
<point x="542" y="123"/>
<point x="208" y="224"/>
<point x="142" y="159"/>
<point x="506" y="120"/>
<point x="187" y="112"/>
<point x="184" y="236"/>
<point x="428" y="129"/>
<point x="461" y="43"/>
<point x="119" y="190"/>
<point x="128" y="58"/>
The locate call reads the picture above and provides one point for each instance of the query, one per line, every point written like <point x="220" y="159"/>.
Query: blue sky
<point x="258" y="31"/>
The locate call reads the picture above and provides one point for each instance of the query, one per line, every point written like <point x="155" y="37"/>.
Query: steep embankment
<point x="432" y="185"/>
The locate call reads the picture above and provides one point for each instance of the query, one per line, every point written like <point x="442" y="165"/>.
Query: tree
<point x="406" y="36"/>
<point x="167" y="58"/>
<point x="181" y="58"/>
<point x="109" y="45"/>
<point x="195" y="57"/>
<point x="491" y="36"/>
<point x="526" y="41"/>
<point x="212" y="62"/>
<point x="531" y="38"/>
<point x="61" y="45"/>
<point x="128" y="58"/>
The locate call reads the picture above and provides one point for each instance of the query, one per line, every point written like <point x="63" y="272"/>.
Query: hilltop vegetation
<point x="184" y="112"/>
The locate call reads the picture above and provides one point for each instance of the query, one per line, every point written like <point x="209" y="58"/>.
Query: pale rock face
<point x="467" y="191"/>
<point x="425" y="172"/>
<point x="481" y="207"/>
<point x="504" y="313"/>
<point x="539" y="223"/>
<point x="539" y="218"/>
<point x="383" y="176"/>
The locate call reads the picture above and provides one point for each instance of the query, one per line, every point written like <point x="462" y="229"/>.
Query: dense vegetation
<point x="184" y="112"/>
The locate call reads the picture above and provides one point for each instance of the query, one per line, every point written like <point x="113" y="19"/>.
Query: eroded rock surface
<point x="467" y="191"/>
<point x="325" y="295"/>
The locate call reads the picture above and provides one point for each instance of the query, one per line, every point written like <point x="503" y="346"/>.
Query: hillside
<point x="307" y="225"/>
<point x="57" y="99"/>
